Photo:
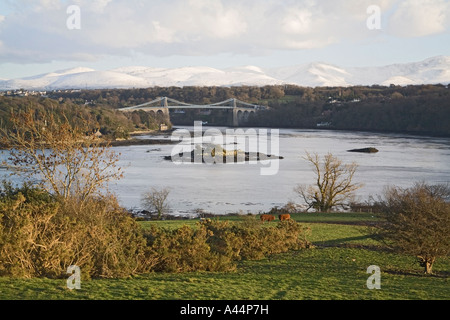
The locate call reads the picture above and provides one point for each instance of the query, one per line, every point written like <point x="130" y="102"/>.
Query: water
<point x="228" y="188"/>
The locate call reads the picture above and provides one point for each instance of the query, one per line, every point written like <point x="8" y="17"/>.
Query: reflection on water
<point x="225" y="188"/>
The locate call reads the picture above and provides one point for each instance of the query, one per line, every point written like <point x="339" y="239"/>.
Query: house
<point x="324" y="124"/>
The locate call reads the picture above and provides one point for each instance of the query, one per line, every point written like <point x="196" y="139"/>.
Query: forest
<point x="419" y="109"/>
<point x="111" y="123"/>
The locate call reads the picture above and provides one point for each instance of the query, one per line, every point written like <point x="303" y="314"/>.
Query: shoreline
<point x="150" y="132"/>
<point x="132" y="141"/>
<point x="139" y="142"/>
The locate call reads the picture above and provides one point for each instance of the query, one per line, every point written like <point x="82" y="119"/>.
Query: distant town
<point x="27" y="93"/>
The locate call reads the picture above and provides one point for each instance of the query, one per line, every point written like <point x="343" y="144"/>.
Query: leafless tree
<point x="334" y="183"/>
<point x="156" y="200"/>
<point x="67" y="160"/>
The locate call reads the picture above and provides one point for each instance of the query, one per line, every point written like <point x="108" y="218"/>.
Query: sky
<point x="42" y="36"/>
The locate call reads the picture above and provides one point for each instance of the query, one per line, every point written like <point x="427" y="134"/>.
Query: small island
<point x="364" y="150"/>
<point x="233" y="156"/>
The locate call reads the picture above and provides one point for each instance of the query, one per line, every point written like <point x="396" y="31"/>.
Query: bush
<point x="41" y="236"/>
<point x="108" y="242"/>
<point x="185" y="250"/>
<point x="252" y="240"/>
<point x="289" y="207"/>
<point x="217" y="245"/>
<point x="29" y="229"/>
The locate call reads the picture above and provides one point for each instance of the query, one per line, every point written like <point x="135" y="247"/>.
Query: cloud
<point x="418" y="18"/>
<point x="298" y="22"/>
<point x="96" y="5"/>
<point x="36" y="31"/>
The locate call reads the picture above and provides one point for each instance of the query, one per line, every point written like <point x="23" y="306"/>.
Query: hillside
<point x="431" y="71"/>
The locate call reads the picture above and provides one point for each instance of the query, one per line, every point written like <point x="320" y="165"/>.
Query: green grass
<point x="347" y="218"/>
<point x="341" y="217"/>
<point x="334" y="269"/>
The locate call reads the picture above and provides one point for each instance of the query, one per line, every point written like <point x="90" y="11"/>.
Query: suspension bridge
<point x="241" y="110"/>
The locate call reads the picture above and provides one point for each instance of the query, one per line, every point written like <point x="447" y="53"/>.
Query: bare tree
<point x="156" y="201"/>
<point x="66" y="160"/>
<point x="334" y="183"/>
<point x="417" y="222"/>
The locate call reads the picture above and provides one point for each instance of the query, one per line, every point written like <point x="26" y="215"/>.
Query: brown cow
<point x="283" y="217"/>
<point x="267" y="217"/>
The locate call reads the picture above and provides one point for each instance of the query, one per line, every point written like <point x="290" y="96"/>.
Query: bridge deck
<point x="164" y="104"/>
<point x="191" y="107"/>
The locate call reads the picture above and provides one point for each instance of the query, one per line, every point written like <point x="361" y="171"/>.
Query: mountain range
<point x="430" y="71"/>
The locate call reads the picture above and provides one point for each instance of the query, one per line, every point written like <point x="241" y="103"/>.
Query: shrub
<point x="41" y="236"/>
<point x="29" y="228"/>
<point x="217" y="245"/>
<point x="289" y="207"/>
<point x="107" y="242"/>
<point x="185" y="249"/>
<point x="223" y="239"/>
<point x="253" y="241"/>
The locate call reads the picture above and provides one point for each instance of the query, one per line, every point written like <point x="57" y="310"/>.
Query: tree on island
<point x="334" y="183"/>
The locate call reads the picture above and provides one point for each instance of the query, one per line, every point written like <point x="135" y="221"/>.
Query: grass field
<point x="334" y="270"/>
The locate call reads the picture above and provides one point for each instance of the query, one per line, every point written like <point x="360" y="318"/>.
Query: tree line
<point x="419" y="109"/>
<point x="422" y="109"/>
<point x="111" y="123"/>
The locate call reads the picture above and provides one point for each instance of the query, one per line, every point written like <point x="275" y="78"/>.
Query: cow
<point x="267" y="217"/>
<point x="284" y="217"/>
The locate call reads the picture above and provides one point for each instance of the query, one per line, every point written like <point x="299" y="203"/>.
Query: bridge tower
<point x="165" y="106"/>
<point x="235" y="113"/>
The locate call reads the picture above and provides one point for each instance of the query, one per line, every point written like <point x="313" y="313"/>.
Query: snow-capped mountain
<point x="313" y="75"/>
<point x="431" y="71"/>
